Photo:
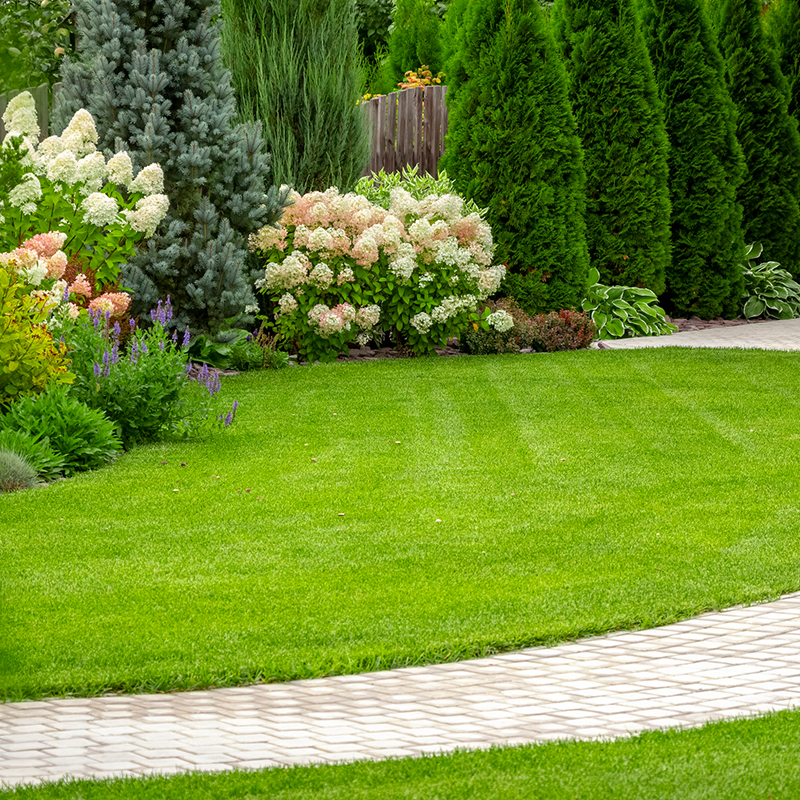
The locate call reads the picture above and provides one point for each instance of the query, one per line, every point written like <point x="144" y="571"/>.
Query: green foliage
<point x="82" y="436"/>
<point x="237" y="349"/>
<point x="16" y="472"/>
<point x="37" y="452"/>
<point x="144" y="389"/>
<point x="621" y="123"/>
<point x="214" y="170"/>
<point x="415" y="40"/>
<point x="767" y="132"/>
<point x="706" y="162"/>
<point x="30" y="360"/>
<point x="512" y="148"/>
<point x="783" y="24"/>
<point x="377" y="188"/>
<point x="374" y="21"/>
<point x="769" y="291"/>
<point x="620" y="312"/>
<point x="297" y="68"/>
<point x="453" y="19"/>
<point x="33" y="38"/>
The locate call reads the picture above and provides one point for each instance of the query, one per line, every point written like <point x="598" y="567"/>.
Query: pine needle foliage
<point x="767" y="132"/>
<point x="783" y="24"/>
<point x="621" y="124"/>
<point x="297" y="68"/>
<point x="151" y="75"/>
<point x="706" y="162"/>
<point x="512" y="147"/>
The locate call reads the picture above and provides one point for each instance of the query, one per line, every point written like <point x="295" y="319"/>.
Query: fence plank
<point x="381" y="137"/>
<point x="405" y="144"/>
<point x="391" y="134"/>
<point x="417" y="105"/>
<point x="435" y="129"/>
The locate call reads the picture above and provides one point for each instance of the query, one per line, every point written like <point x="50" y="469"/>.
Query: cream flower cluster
<point x="330" y="321"/>
<point x="410" y="238"/>
<point x="500" y="320"/>
<point x="37" y="259"/>
<point x="72" y="159"/>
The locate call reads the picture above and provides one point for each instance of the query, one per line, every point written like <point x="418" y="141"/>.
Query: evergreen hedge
<point x="297" y="68"/>
<point x="512" y="147"/>
<point x="154" y="82"/>
<point x="621" y="124"/>
<point x="767" y="132"/>
<point x="783" y="23"/>
<point x="706" y="162"/>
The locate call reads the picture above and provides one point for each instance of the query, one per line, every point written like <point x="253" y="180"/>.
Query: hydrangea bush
<point x="341" y="269"/>
<point x="69" y="188"/>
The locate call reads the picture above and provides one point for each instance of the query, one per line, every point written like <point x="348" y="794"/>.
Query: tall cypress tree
<point x="513" y="148"/>
<point x="706" y="163"/>
<point x="767" y="132"/>
<point x="152" y="78"/>
<point x="297" y="68"/>
<point x="783" y="24"/>
<point x="621" y="124"/>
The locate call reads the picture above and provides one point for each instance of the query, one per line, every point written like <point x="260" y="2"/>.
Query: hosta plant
<point x="769" y="291"/>
<point x="342" y="269"/>
<point x="620" y="312"/>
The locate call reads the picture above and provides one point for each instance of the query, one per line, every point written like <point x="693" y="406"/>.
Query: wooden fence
<point x="41" y="97"/>
<point x="407" y="129"/>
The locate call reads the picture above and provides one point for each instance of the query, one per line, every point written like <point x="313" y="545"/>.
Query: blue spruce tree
<point x="151" y="75"/>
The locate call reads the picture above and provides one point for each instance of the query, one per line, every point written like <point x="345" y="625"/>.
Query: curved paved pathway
<point x="725" y="664"/>
<point x="775" y="335"/>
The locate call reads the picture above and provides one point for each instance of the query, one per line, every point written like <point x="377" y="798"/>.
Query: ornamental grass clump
<point x="15" y="472"/>
<point x="341" y="270"/>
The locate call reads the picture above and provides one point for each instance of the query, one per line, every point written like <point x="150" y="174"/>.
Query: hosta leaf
<point x="754" y="307"/>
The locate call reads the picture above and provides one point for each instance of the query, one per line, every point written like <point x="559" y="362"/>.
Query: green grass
<point x="578" y="493"/>
<point x="757" y="758"/>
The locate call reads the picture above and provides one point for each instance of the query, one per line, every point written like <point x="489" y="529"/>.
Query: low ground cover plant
<point x="341" y="269"/>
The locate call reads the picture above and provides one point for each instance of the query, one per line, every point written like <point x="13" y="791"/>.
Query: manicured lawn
<point x="577" y="493"/>
<point x="757" y="758"/>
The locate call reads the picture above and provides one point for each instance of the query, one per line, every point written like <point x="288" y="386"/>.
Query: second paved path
<point x="736" y="662"/>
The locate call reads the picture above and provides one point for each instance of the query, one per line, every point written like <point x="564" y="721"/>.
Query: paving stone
<point x="733" y="663"/>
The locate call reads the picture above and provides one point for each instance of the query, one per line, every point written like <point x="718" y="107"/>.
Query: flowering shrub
<point x="142" y="384"/>
<point x="342" y="269"/>
<point x="562" y="330"/>
<point x="102" y="209"/>
<point x="29" y="358"/>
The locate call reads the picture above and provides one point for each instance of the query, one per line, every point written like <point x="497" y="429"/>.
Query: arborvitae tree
<point x="453" y="19"/>
<point x="153" y="80"/>
<point x="621" y="124"/>
<point x="415" y="41"/>
<point x="513" y="148"/>
<point x="706" y="163"/>
<point x="783" y="24"/>
<point x="767" y="132"/>
<point x="296" y="67"/>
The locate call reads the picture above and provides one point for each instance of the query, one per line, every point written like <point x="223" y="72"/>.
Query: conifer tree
<point x="297" y="68"/>
<point x="621" y="124"/>
<point x="767" y="132"/>
<point x="706" y="163"/>
<point x="783" y="24"/>
<point x="512" y="147"/>
<point x="152" y="78"/>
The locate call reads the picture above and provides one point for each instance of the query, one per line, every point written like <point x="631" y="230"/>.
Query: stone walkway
<point x="777" y="335"/>
<point x="738" y="662"/>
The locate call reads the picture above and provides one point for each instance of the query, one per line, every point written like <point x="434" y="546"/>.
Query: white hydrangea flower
<point x="401" y="203"/>
<point x="319" y="239"/>
<point x="48" y="149"/>
<point x="22" y="101"/>
<point x="100" y="209"/>
<point x="26" y="193"/>
<point x="63" y="167"/>
<point x="147" y="213"/>
<point x="500" y="320"/>
<point x="120" y="169"/>
<point x="287" y="304"/>
<point x="91" y="172"/>
<point x="368" y="316"/>
<point x="321" y="276"/>
<point x="251" y="308"/>
<point x="20" y="117"/>
<point x="489" y="280"/>
<point x="439" y="314"/>
<point x="35" y="274"/>
<point x="403" y="267"/>
<point x="421" y="322"/>
<point x="449" y="206"/>
<point x="421" y="231"/>
<point x="150" y="180"/>
<point x="425" y="279"/>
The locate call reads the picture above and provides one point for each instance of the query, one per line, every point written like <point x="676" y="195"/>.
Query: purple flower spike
<point x="132" y="323"/>
<point x="65" y="298"/>
<point x="96" y="370"/>
<point x="228" y="419"/>
<point x="105" y="357"/>
<point x="186" y="337"/>
<point x="144" y="348"/>
<point x="107" y="315"/>
<point x="161" y="346"/>
<point x="235" y="406"/>
<point x="188" y="367"/>
<point x="175" y="336"/>
<point x="117" y="330"/>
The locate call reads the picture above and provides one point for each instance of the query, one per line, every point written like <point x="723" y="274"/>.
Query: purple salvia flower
<point x="115" y="353"/>
<point x="175" y="336"/>
<point x="65" y="298"/>
<point x="203" y="372"/>
<point x="117" y="330"/>
<point x="161" y="345"/>
<point x="228" y="419"/>
<point x="235" y="406"/>
<point x="186" y="337"/>
<point x="168" y="310"/>
<point x="132" y="323"/>
<point x="105" y="358"/>
<point x="188" y="367"/>
<point x="144" y="348"/>
<point x="134" y="351"/>
<point x="96" y="370"/>
<point x="107" y="315"/>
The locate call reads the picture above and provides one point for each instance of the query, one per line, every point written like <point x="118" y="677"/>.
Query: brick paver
<point x="720" y="665"/>
<point x="777" y="335"/>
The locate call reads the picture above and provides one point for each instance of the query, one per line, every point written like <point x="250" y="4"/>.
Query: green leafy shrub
<point x="34" y="35"/>
<point x="237" y="349"/>
<point x="15" y="472"/>
<point x="496" y="329"/>
<point x="374" y="20"/>
<point x="620" y="312"/>
<point x="37" y="452"/>
<point x="30" y="360"/>
<point x="84" y="437"/>
<point x="769" y="291"/>
<point x="142" y="383"/>
<point x="342" y="269"/>
<point x="513" y="148"/>
<point x="621" y="124"/>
